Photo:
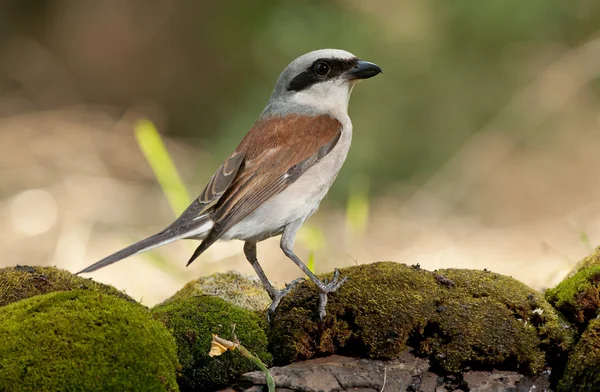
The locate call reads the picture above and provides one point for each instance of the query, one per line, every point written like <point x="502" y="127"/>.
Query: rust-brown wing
<point x="276" y="151"/>
<point x="214" y="190"/>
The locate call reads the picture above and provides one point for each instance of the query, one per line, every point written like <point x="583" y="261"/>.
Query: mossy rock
<point x="232" y="286"/>
<point x="589" y="261"/>
<point x="583" y="368"/>
<point x="578" y="295"/>
<point x="20" y="282"/>
<point x="457" y="318"/>
<point x="497" y="321"/>
<point x="193" y="321"/>
<point x="85" y="341"/>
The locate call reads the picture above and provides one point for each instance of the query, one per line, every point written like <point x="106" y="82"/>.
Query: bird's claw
<point x="328" y="287"/>
<point x="324" y="288"/>
<point x="278" y="295"/>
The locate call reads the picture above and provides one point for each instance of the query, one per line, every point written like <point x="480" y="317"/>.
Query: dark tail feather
<point x="196" y="254"/>
<point x="162" y="238"/>
<point x="210" y="239"/>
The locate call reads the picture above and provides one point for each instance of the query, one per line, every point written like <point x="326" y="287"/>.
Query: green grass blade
<point x="261" y="366"/>
<point x="586" y="241"/>
<point x="313" y="238"/>
<point x="357" y="209"/>
<point x="311" y="262"/>
<point x="159" y="159"/>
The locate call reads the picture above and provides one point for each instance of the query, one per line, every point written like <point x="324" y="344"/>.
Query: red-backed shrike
<point x="280" y="172"/>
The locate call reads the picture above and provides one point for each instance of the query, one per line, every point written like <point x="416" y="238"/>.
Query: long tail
<point x="159" y="239"/>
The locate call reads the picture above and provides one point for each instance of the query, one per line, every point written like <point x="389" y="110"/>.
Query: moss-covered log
<point x="231" y="286"/>
<point x="193" y="321"/>
<point x="84" y="341"/>
<point x="20" y="282"/>
<point x="578" y="295"/>
<point x="457" y="318"/>
<point x="583" y="369"/>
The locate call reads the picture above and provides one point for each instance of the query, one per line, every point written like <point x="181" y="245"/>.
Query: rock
<point x="502" y="381"/>
<point x="407" y="373"/>
<point x="20" y="282"/>
<point x="240" y="290"/>
<point x="577" y="295"/>
<point x="456" y="318"/>
<point x="583" y="368"/>
<point x="193" y="321"/>
<point x="338" y="373"/>
<point x="85" y="341"/>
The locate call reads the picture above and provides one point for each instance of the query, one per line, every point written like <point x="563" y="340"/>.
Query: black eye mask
<point x="310" y="77"/>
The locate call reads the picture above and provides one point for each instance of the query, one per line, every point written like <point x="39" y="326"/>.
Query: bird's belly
<point x="297" y="202"/>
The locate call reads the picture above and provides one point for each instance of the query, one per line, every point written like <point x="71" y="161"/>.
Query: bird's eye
<point x="321" y="68"/>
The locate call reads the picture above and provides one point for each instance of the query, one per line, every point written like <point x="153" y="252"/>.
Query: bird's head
<point x="321" y="79"/>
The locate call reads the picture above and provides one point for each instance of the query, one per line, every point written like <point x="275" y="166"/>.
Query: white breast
<point x="300" y="200"/>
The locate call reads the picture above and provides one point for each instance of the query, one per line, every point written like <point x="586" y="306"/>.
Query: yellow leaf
<point x="219" y="345"/>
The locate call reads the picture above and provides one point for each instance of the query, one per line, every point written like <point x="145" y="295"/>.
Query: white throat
<point x="330" y="98"/>
<point x="332" y="95"/>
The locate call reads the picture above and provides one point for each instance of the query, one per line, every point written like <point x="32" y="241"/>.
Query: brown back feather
<point x="273" y="147"/>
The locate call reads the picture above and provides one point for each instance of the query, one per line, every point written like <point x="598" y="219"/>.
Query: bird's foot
<point x="325" y="288"/>
<point x="277" y="296"/>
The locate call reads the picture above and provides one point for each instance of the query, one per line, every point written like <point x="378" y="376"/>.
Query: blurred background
<point x="479" y="147"/>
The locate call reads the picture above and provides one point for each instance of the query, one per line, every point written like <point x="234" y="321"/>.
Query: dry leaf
<point x="219" y="345"/>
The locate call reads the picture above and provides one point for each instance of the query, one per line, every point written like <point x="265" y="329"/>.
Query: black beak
<point x="363" y="70"/>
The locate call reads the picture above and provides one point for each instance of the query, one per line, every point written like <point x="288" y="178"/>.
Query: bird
<point x="279" y="173"/>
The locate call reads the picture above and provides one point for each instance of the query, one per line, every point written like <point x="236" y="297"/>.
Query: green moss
<point x="85" y="341"/>
<point x="20" y="282"/>
<point x="231" y="286"/>
<point x="496" y="320"/>
<point x="457" y="318"/>
<point x="589" y="261"/>
<point x="578" y="296"/>
<point x="193" y="321"/>
<point x="583" y="368"/>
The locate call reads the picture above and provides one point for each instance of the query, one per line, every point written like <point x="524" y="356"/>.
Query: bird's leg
<point x="275" y="295"/>
<point x="287" y="245"/>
